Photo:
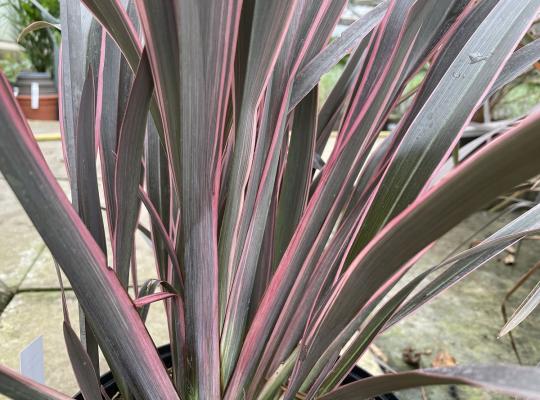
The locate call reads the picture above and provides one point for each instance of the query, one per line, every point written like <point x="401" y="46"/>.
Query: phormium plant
<point x="269" y="259"/>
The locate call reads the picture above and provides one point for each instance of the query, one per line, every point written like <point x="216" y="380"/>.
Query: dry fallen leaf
<point x="511" y="250"/>
<point x="377" y="352"/>
<point x="411" y="357"/>
<point x="443" y="359"/>
<point x="509" y="259"/>
<point x="474" y="243"/>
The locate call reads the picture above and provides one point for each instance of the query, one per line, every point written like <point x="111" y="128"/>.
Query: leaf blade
<point x="128" y="168"/>
<point x="112" y="15"/>
<point x="512" y="380"/>
<point x="528" y="305"/>
<point x="34" y="26"/>
<point x="521" y="61"/>
<point x="311" y="73"/>
<point x="82" y="365"/>
<point x="207" y="31"/>
<point x="468" y="261"/>
<point x="16" y="386"/>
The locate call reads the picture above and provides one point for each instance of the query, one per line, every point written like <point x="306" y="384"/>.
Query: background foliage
<point x="39" y="44"/>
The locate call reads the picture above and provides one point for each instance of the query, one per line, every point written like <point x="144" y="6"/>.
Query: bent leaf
<point x="34" y="26"/>
<point x="151" y="298"/>
<point x="115" y="20"/>
<point x="508" y="379"/>
<point x="17" y="386"/>
<point x="311" y="74"/>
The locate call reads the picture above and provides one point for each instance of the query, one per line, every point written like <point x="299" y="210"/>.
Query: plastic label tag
<point x="32" y="363"/>
<point x="34" y="95"/>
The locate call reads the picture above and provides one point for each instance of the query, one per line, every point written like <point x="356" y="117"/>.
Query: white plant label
<point x="34" y="95"/>
<point x="32" y="363"/>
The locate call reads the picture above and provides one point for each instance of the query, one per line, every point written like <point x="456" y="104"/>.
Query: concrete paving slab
<point x="146" y="266"/>
<point x="52" y="151"/>
<point x="464" y="321"/>
<point x="20" y="244"/>
<point x="42" y="275"/>
<point x="5" y="296"/>
<point x="41" y="127"/>
<point x="30" y="315"/>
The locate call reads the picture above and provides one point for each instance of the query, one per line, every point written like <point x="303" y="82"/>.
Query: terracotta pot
<point x="47" y="110"/>
<point x="45" y="106"/>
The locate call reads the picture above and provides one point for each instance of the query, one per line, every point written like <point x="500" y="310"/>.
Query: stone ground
<point x="462" y="323"/>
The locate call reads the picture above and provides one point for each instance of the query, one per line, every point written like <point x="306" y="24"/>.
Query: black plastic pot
<point x="357" y="374"/>
<point x="108" y="383"/>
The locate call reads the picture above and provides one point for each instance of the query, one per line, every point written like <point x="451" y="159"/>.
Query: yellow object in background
<point x="47" y="137"/>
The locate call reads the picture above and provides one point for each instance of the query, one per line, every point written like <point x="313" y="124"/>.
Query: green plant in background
<point x="521" y="95"/>
<point x="39" y="45"/>
<point x="519" y="98"/>
<point x="328" y="81"/>
<point x="12" y="64"/>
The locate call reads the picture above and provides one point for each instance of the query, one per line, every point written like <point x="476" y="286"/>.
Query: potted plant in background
<point x="36" y="90"/>
<point x="269" y="259"/>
